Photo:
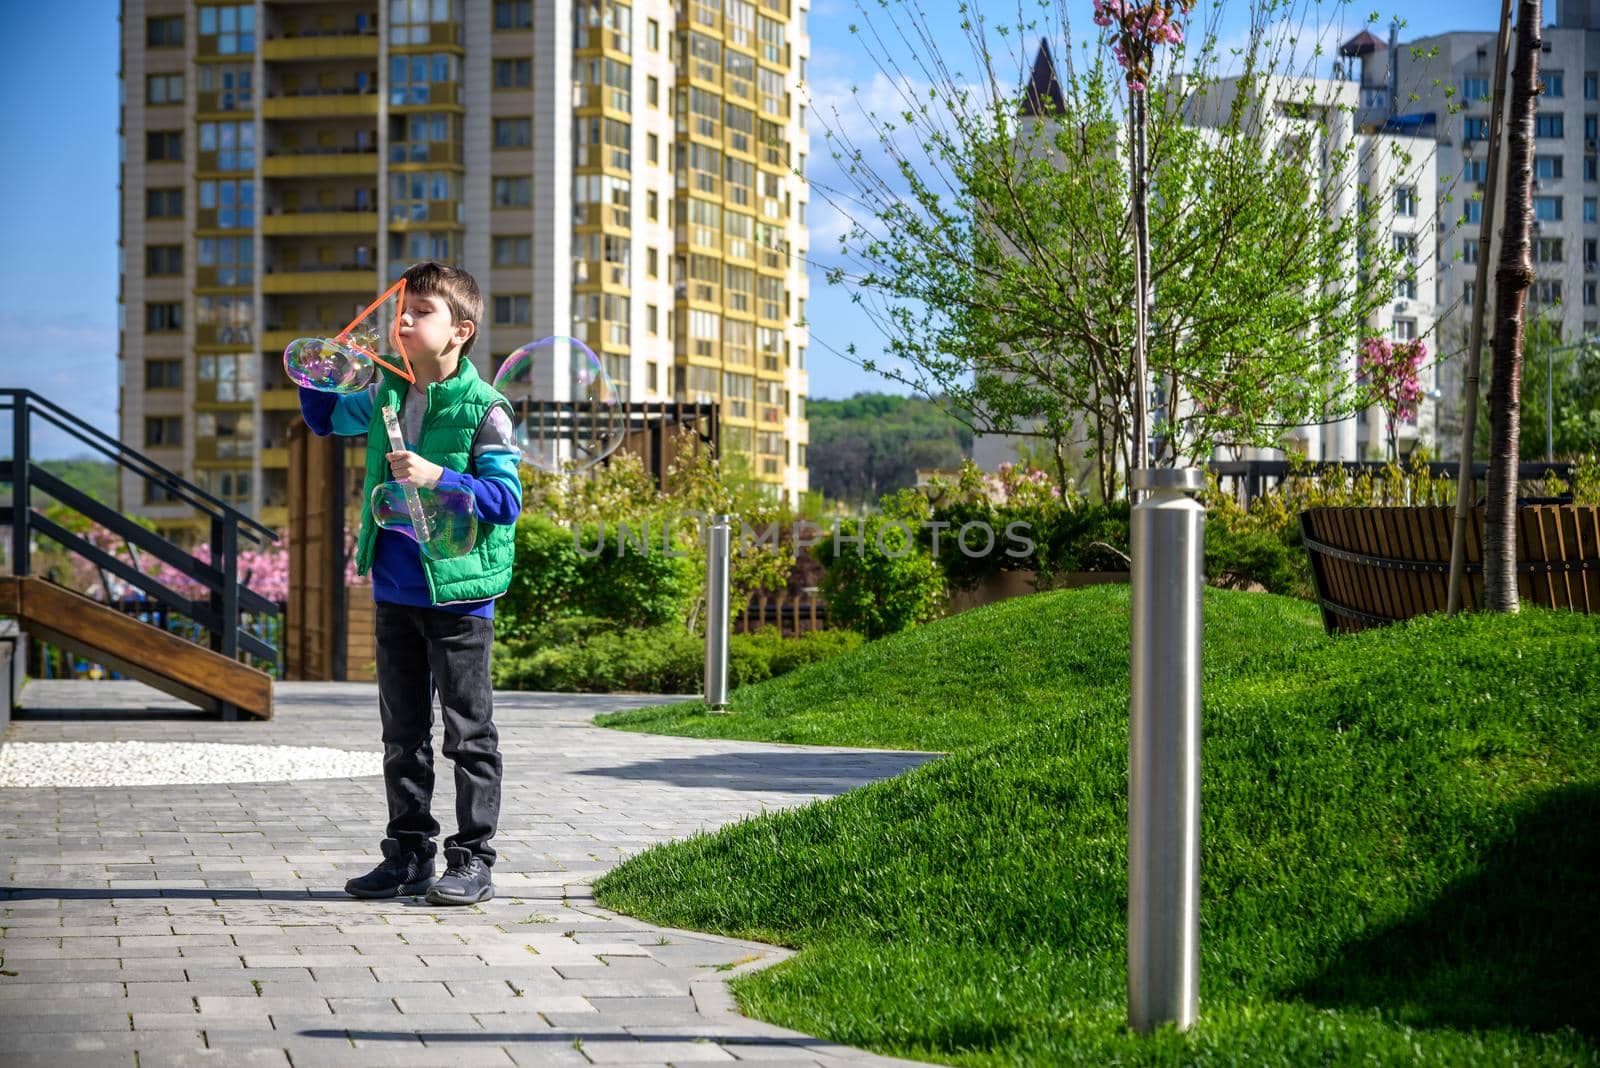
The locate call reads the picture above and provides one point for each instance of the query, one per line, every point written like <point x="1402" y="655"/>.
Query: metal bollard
<point x="1168" y="535"/>
<point x="718" y="537"/>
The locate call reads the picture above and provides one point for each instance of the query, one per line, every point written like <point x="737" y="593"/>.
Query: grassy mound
<point x="1401" y="842"/>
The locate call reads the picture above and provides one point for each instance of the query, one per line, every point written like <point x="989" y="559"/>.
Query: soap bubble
<point x="552" y="434"/>
<point x="324" y="365"/>
<point x="442" y="520"/>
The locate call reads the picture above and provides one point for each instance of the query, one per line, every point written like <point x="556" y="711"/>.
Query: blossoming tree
<point x="1390" y="376"/>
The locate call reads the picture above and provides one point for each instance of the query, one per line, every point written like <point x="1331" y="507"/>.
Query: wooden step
<point x="187" y="671"/>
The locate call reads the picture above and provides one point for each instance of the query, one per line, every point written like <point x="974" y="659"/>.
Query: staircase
<point x="211" y="675"/>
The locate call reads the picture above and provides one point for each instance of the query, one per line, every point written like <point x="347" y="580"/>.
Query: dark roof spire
<point x="1042" y="96"/>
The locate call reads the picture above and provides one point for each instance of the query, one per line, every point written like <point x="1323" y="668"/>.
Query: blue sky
<point x="58" y="186"/>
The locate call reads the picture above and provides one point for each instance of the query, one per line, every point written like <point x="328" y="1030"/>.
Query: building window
<point x="163" y="374"/>
<point x="1405" y="329"/>
<point x="233" y="142"/>
<point x="652" y="91"/>
<point x="513" y="251"/>
<point x="163" y="318"/>
<point x="164" y="32"/>
<point x="163" y="260"/>
<point x="233" y="201"/>
<point x="1547" y="168"/>
<point x="652" y="145"/>
<point x="163" y="89"/>
<point x="1468" y="291"/>
<point x="1475" y="88"/>
<point x="1405" y="201"/>
<point x="1591" y="127"/>
<point x="1552" y="83"/>
<point x="1475" y="171"/>
<point x="1545" y="291"/>
<point x="652" y="35"/>
<point x="231" y="82"/>
<point x="513" y="311"/>
<point x="163" y="203"/>
<point x="1588" y="294"/>
<point x="1590" y="245"/>
<point x="1405" y="287"/>
<point x="163" y="430"/>
<point x="651" y="264"/>
<point x="1549" y="125"/>
<point x="652" y="205"/>
<point x="513" y="74"/>
<point x="1591" y="85"/>
<point x="1589" y="213"/>
<point x="1374" y="98"/>
<point x="159" y="493"/>
<point x="229" y="260"/>
<point x="513" y="14"/>
<point x="232" y="28"/>
<point x="1547" y="209"/>
<point x="163" y="146"/>
<point x="651" y="323"/>
<point x="1475" y="129"/>
<point x="652" y="376"/>
<point x="1547" y="250"/>
<point x="513" y="192"/>
<point x="513" y="133"/>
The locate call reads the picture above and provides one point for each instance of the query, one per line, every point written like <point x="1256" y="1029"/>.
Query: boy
<point x="435" y="618"/>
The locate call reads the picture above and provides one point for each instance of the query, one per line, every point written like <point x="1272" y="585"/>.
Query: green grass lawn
<point x="1401" y="842"/>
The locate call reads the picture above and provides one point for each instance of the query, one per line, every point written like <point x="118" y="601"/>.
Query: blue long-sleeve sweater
<point x="397" y="576"/>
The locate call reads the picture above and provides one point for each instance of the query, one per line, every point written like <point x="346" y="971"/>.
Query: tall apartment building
<point x="1439" y="87"/>
<point x="630" y="175"/>
<point x="1355" y="162"/>
<point x="1397" y="163"/>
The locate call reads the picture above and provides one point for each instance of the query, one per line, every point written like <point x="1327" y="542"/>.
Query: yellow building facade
<point x="632" y="175"/>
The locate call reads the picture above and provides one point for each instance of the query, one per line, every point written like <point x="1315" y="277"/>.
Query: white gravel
<point x="174" y="763"/>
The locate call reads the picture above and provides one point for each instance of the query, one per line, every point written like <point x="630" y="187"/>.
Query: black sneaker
<point x="465" y="880"/>
<point x="400" y="874"/>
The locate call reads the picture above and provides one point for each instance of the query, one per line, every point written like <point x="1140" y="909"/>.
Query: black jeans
<point x="422" y="651"/>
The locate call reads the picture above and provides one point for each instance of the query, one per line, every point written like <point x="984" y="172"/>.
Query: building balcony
<point x="339" y="46"/>
<point x="354" y="280"/>
<point x="318" y="223"/>
<point x="342" y="104"/>
<point x="320" y="165"/>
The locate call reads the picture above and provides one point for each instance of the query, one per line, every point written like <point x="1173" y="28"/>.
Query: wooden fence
<point x="1374" y="566"/>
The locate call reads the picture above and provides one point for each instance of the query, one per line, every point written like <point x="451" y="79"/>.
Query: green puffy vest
<point x="456" y="408"/>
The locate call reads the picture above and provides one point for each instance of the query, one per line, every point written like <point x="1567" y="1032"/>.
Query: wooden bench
<point x="1374" y="566"/>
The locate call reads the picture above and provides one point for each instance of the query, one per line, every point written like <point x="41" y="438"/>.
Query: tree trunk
<point x="1513" y="276"/>
<point x="1138" y="452"/>
<point x="1486" y="228"/>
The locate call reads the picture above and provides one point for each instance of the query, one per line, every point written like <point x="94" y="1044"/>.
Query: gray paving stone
<point x="158" y="901"/>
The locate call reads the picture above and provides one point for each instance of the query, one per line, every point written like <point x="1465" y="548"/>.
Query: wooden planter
<point x="1374" y="566"/>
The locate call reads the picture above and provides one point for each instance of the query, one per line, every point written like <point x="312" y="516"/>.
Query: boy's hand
<point x="413" y="470"/>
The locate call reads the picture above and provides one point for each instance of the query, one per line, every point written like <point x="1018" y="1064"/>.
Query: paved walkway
<point x="174" y="925"/>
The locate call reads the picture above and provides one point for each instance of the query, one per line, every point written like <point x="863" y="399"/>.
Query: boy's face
<point x="427" y="328"/>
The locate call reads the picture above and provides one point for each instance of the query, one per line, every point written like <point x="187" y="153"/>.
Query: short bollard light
<point x="1168" y="574"/>
<point x="718" y="539"/>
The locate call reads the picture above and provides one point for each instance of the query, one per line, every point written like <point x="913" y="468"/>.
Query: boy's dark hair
<point x="458" y="289"/>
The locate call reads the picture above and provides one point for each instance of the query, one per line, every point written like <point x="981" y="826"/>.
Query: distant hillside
<point x="97" y="478"/>
<point x="873" y="443"/>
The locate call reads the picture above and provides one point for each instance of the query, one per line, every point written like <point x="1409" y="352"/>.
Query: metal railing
<point x="226" y="598"/>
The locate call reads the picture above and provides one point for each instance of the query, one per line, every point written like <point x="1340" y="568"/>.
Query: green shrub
<point x="634" y="587"/>
<point x="1260" y="556"/>
<point x="580" y="654"/>
<point x="544" y="581"/>
<point x="882" y="585"/>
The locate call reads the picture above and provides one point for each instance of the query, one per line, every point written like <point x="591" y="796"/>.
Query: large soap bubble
<point x="324" y="365"/>
<point x="558" y="435"/>
<point x="442" y="520"/>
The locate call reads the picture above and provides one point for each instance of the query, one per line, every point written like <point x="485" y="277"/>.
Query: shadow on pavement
<point x="780" y="772"/>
